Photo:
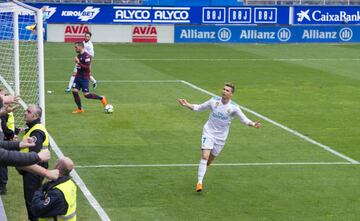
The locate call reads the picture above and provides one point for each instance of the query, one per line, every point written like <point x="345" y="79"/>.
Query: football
<point x="109" y="109"/>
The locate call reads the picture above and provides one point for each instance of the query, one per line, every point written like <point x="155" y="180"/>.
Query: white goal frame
<point x="17" y="8"/>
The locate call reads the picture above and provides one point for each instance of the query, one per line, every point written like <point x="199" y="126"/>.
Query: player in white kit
<point x="216" y="129"/>
<point x="89" y="48"/>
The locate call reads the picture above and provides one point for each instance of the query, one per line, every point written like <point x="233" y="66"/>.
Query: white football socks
<point x="71" y="82"/>
<point x="202" y="170"/>
<point x="92" y="79"/>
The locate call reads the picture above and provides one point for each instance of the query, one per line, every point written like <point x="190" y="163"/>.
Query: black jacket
<point x="9" y="155"/>
<point x="49" y="201"/>
<point x="8" y="133"/>
<point x="39" y="139"/>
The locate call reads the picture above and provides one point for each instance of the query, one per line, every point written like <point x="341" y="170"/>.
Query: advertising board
<point x="271" y="34"/>
<point x="111" y="33"/>
<point x="114" y="14"/>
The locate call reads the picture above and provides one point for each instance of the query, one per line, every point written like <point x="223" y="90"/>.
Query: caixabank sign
<point x="334" y="15"/>
<point x="256" y="34"/>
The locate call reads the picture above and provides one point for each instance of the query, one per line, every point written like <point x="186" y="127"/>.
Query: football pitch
<point x="140" y="163"/>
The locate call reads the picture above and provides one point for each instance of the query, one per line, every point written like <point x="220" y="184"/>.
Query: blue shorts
<point x="81" y="83"/>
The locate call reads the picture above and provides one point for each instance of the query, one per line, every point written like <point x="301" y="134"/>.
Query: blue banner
<point x="111" y="14"/>
<point x="334" y="15"/>
<point x="274" y="34"/>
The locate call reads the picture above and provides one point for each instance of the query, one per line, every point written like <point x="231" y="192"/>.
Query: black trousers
<point x="3" y="169"/>
<point x="3" y="175"/>
<point x="31" y="183"/>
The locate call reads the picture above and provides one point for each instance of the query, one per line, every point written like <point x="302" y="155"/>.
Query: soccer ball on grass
<point x="109" y="109"/>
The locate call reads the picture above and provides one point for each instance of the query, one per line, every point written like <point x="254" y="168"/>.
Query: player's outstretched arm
<point x="185" y="103"/>
<point x="256" y="124"/>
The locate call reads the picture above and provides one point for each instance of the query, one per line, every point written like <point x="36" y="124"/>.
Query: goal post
<point x="22" y="54"/>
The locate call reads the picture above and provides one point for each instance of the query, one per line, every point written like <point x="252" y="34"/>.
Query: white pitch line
<point x="94" y="203"/>
<point x="2" y="211"/>
<point x="213" y="59"/>
<point x="294" y="132"/>
<point x="126" y="81"/>
<point x="217" y="164"/>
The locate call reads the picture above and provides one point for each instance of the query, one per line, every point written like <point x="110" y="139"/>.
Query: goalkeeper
<point x="33" y="28"/>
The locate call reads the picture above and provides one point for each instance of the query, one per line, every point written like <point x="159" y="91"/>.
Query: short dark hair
<point x="63" y="170"/>
<point x="79" y="43"/>
<point x="231" y="86"/>
<point x="38" y="110"/>
<point x="88" y="33"/>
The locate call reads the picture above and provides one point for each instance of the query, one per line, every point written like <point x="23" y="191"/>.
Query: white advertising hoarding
<point x="111" y="33"/>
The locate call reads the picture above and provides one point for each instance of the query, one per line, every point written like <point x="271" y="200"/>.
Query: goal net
<point x="21" y="54"/>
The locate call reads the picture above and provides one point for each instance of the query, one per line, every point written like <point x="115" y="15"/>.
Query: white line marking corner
<point x="216" y="164"/>
<point x="93" y="202"/>
<point x="294" y="132"/>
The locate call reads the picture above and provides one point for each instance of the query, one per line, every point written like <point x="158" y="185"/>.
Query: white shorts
<point x="75" y="68"/>
<point x="209" y="143"/>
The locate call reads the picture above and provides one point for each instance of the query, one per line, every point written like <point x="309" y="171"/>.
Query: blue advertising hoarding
<point x="112" y="14"/>
<point x="274" y="34"/>
<point x="326" y="15"/>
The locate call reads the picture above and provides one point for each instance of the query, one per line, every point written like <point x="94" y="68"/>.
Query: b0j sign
<point x="110" y="14"/>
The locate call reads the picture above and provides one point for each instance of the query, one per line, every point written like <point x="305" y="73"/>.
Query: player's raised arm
<point x="245" y="120"/>
<point x="195" y="107"/>
<point x="185" y="103"/>
<point x="256" y="124"/>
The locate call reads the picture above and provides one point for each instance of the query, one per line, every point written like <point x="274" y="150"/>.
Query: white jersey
<point x="89" y="48"/>
<point x="220" y="118"/>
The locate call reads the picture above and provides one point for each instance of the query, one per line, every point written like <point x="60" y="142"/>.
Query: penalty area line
<point x="215" y="164"/>
<point x="213" y="59"/>
<point x="125" y="81"/>
<point x="294" y="132"/>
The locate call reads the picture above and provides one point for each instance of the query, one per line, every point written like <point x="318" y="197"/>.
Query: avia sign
<point x="144" y="34"/>
<point x="75" y="33"/>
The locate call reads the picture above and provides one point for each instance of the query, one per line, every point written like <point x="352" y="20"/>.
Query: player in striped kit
<point x="83" y="61"/>
<point x="216" y="129"/>
<point x="89" y="48"/>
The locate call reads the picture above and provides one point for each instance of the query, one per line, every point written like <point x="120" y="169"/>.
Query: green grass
<point x="317" y="94"/>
